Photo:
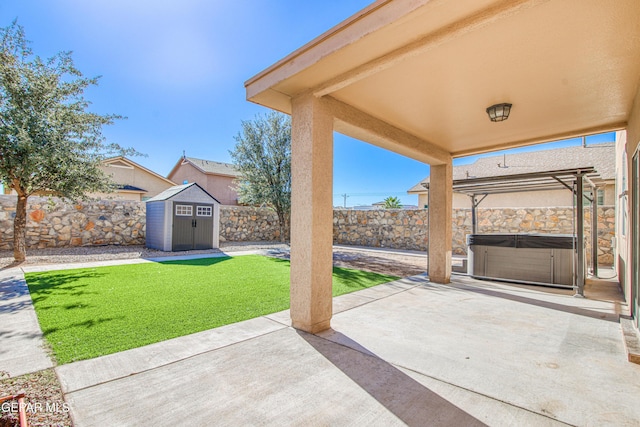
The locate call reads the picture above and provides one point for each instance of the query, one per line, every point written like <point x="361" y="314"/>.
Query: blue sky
<point x="177" y="69"/>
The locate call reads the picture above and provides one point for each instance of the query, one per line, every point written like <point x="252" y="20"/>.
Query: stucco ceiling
<point x="431" y="68"/>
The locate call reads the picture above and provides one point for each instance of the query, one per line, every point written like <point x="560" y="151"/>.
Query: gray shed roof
<point x="600" y="156"/>
<point x="173" y="191"/>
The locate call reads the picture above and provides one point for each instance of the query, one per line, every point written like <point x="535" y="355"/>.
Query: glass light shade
<point x="499" y="112"/>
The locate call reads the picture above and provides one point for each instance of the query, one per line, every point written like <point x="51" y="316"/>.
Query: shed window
<point x="203" y="211"/>
<point x="184" y="210"/>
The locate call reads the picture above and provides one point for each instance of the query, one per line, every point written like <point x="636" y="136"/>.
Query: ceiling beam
<point x="357" y="124"/>
<point x="502" y="10"/>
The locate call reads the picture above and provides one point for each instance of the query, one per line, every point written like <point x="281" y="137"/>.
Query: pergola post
<point x="474" y="225"/>
<point x="580" y="267"/>
<point x="440" y="223"/>
<point x="594" y="231"/>
<point x="311" y="215"/>
<point x="475" y="202"/>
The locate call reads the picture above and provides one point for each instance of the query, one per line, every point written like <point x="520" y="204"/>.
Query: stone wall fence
<point x="557" y="220"/>
<point x="53" y="222"/>
<point x="243" y="223"/>
<point x="385" y="228"/>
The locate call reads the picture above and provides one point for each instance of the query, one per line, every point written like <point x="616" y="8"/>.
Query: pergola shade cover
<point x="535" y="181"/>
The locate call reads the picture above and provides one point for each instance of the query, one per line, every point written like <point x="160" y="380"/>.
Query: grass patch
<point x="85" y="313"/>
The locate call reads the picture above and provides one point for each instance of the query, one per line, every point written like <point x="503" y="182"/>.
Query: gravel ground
<point x="43" y="387"/>
<point x="101" y="253"/>
<point x="387" y="262"/>
<point x="44" y="404"/>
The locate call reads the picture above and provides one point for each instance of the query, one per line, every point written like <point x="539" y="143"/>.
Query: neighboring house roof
<point x="207" y="166"/>
<point x="600" y="156"/>
<point x="173" y="191"/>
<point x="131" y="188"/>
<point x="123" y="161"/>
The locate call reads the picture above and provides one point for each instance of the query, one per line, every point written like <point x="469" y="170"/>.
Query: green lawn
<point x="85" y="313"/>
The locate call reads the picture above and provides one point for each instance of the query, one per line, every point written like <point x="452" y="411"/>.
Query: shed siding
<point x="168" y="226"/>
<point x="160" y="215"/>
<point x="155" y="225"/>
<point x="216" y="225"/>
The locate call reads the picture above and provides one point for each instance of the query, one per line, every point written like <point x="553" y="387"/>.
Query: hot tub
<point x="541" y="259"/>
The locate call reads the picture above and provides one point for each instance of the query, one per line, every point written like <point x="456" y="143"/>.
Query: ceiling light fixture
<point x="499" y="112"/>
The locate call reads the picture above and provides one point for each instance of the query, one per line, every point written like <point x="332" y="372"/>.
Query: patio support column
<point x="440" y="226"/>
<point x="311" y="215"/>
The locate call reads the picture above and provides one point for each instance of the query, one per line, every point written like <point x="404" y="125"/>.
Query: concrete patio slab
<point x="550" y="354"/>
<point x="22" y="350"/>
<point x="356" y="299"/>
<point x="285" y="378"/>
<point x="415" y="353"/>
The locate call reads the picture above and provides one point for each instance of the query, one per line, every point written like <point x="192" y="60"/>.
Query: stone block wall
<point x="52" y="222"/>
<point x="243" y="223"/>
<point x="55" y="223"/>
<point x="536" y="220"/>
<point x="386" y="228"/>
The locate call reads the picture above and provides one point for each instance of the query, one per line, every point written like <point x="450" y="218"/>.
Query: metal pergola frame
<point x="569" y="179"/>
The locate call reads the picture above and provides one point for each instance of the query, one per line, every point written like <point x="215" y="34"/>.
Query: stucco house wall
<point x="136" y="182"/>
<point x="628" y="246"/>
<point x="223" y="188"/>
<point x="531" y="199"/>
<point x="509" y="200"/>
<point x="188" y="173"/>
<point x="623" y="232"/>
<point x="126" y="172"/>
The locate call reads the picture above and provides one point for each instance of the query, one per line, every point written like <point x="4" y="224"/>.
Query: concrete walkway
<point x="409" y="352"/>
<point x="22" y="348"/>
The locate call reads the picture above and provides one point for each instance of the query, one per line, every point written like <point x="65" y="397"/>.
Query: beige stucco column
<point x="311" y="215"/>
<point x="440" y="227"/>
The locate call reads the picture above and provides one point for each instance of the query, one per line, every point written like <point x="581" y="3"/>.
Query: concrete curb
<point x="631" y="340"/>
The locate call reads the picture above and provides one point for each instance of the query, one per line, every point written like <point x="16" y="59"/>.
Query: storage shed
<point x="183" y="217"/>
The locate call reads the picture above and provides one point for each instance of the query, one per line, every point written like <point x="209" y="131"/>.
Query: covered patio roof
<point x="416" y="77"/>
<point x="428" y="69"/>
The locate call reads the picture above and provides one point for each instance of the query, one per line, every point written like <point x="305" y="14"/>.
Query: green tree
<point x="392" y="202"/>
<point x="262" y="155"/>
<point x="49" y="142"/>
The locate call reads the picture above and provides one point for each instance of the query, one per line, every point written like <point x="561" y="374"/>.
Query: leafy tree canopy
<point x="49" y="142"/>
<point x="392" y="202"/>
<point x="262" y="155"/>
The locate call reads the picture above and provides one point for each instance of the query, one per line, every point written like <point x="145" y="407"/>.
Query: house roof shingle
<point x="600" y="156"/>
<point x="209" y="166"/>
<point x="125" y="161"/>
